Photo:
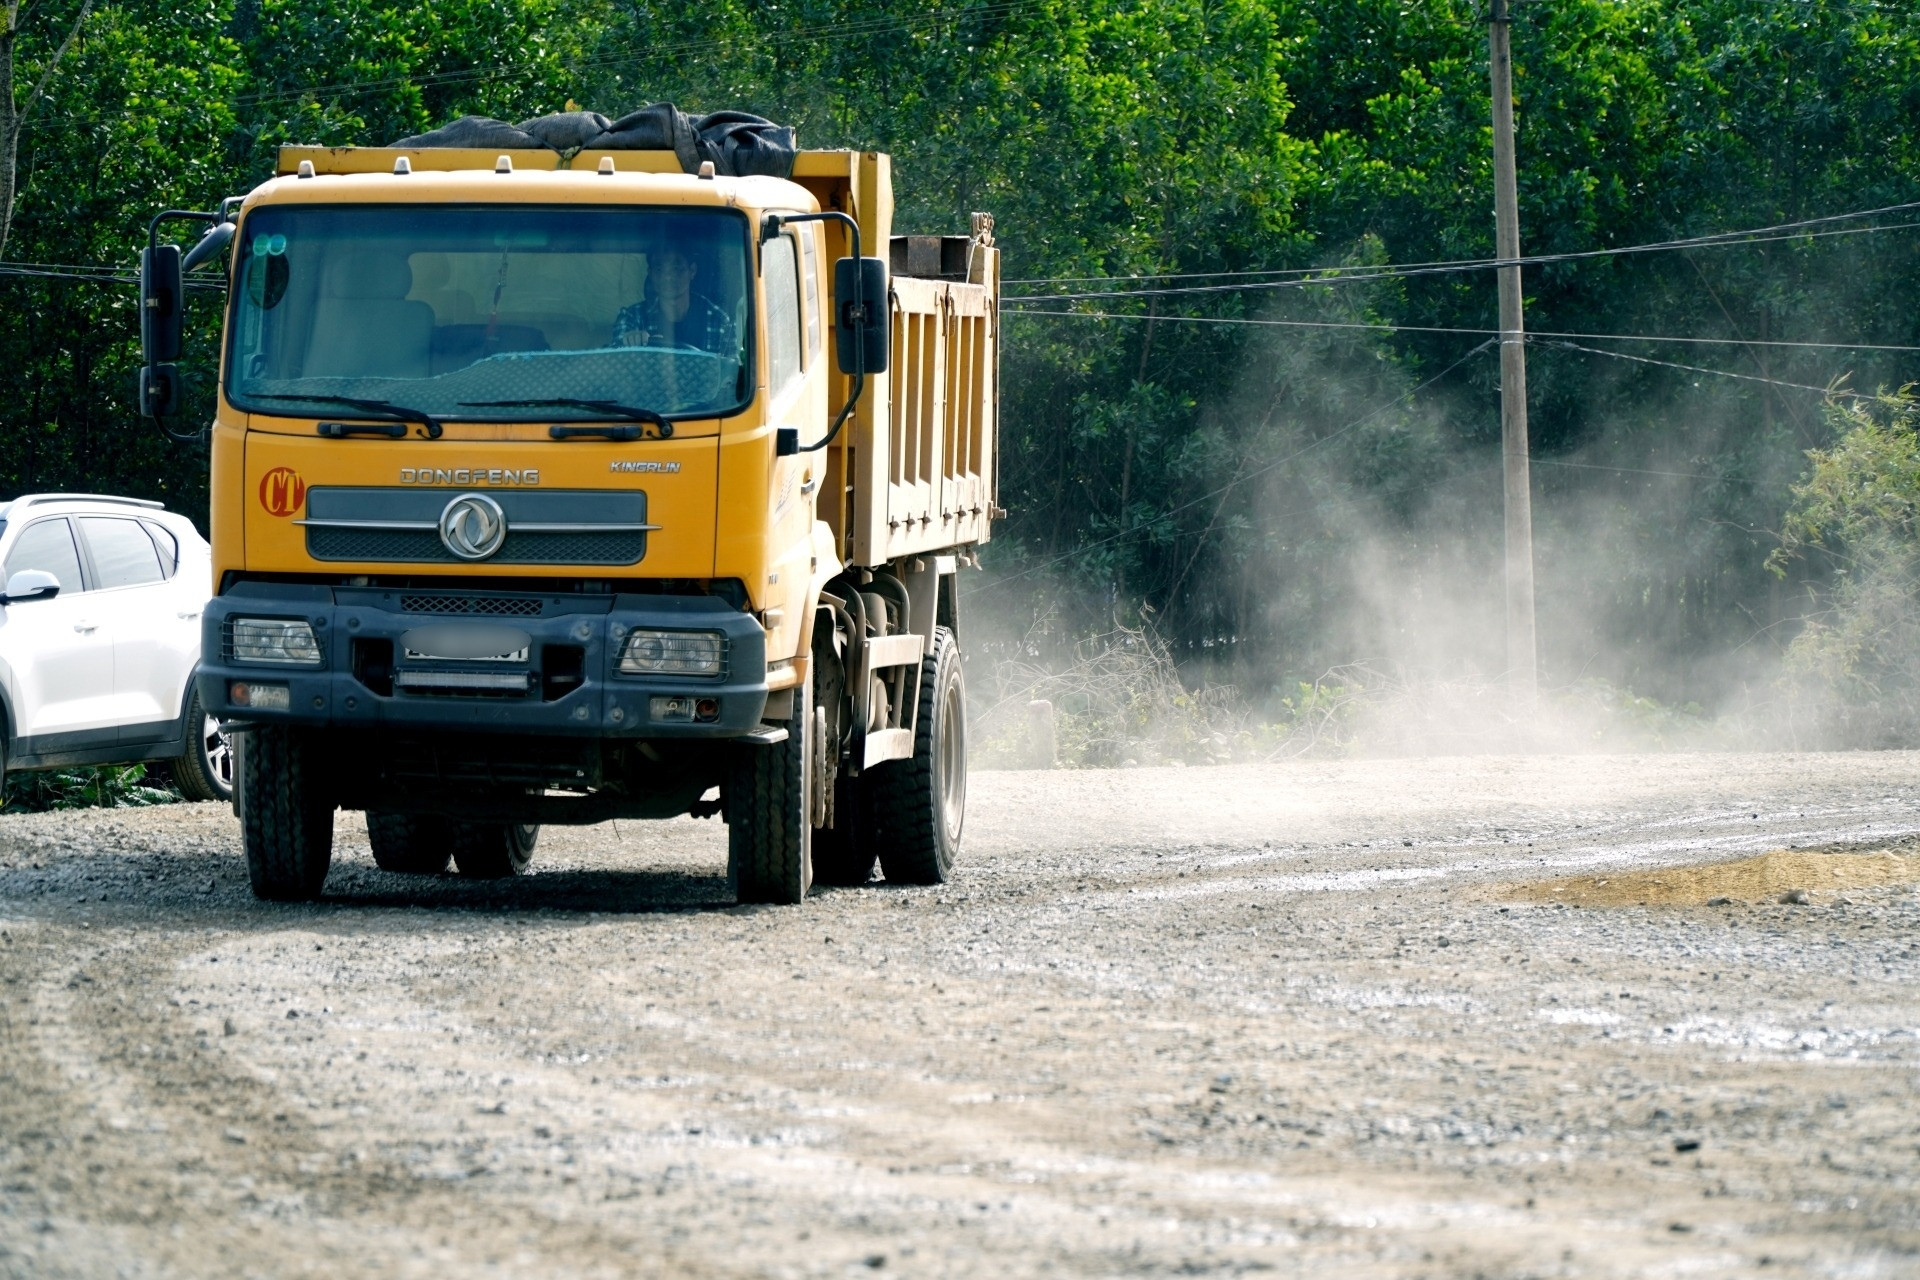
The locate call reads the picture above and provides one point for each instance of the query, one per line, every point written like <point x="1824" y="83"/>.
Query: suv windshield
<point x="439" y="309"/>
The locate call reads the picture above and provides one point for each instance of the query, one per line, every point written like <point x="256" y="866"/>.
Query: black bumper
<point x="572" y="685"/>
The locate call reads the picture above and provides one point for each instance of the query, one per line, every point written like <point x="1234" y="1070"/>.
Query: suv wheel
<point x="206" y="771"/>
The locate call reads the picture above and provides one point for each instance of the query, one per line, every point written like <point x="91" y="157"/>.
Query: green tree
<point x="1854" y="532"/>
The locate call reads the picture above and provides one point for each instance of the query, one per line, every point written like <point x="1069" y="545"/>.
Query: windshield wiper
<point x="392" y="412"/>
<point x="612" y="408"/>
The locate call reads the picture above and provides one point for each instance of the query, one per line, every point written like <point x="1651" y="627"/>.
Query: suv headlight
<point x="278" y="641"/>
<point x="674" y="653"/>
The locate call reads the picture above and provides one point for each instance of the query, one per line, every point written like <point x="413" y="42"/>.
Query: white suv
<point x="99" y="636"/>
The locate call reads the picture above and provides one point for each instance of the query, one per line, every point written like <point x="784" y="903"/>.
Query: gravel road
<point x="1311" y="1019"/>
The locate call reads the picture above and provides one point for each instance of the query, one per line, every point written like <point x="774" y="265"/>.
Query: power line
<point x="1632" y="471"/>
<point x="1495" y="262"/>
<point x="1694" y="368"/>
<point x="1259" y="471"/>
<point x="1386" y="327"/>
<point x="1363" y="275"/>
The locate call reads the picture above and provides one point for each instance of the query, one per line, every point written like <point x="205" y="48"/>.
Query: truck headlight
<point x="278" y="641"/>
<point x="674" y="653"/>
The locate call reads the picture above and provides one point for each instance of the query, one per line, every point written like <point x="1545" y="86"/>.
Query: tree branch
<point x="53" y="64"/>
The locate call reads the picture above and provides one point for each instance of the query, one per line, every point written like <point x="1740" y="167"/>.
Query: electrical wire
<point x="1364" y="275"/>
<point x="1632" y="471"/>
<point x="1523" y="261"/>
<point x="1329" y="438"/>
<point x="1721" y="373"/>
<point x="1384" y="327"/>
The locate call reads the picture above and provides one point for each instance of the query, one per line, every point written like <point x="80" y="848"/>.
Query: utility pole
<point x="1522" y="670"/>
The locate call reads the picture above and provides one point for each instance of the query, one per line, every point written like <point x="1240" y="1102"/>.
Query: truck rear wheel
<point x="286" y="814"/>
<point x="769" y="821"/>
<point x="493" y="850"/>
<point x="415" y="844"/>
<point x="916" y="807"/>
<point x="843" y="854"/>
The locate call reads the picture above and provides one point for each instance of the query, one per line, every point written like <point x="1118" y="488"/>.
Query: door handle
<point x="809" y="487"/>
<point x="189" y="614"/>
<point x="84" y="626"/>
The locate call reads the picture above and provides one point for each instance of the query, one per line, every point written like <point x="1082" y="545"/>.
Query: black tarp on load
<point x="738" y="144"/>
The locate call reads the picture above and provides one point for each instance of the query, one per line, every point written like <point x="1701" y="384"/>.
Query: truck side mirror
<point x="209" y="246"/>
<point x="31" y="584"/>
<point x="160" y="391"/>
<point x="862" y="335"/>
<point x="160" y="303"/>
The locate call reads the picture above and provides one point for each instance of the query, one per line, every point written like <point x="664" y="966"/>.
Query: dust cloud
<point x="1350" y="598"/>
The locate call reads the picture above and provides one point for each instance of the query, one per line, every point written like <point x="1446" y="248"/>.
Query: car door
<point x="138" y="608"/>
<point x="188" y="563"/>
<point x="59" y="652"/>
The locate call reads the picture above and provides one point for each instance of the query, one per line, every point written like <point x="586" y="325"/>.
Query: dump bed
<point x="916" y="470"/>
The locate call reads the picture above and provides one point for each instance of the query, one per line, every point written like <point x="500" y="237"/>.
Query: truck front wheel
<point x="769" y="819"/>
<point x="917" y="806"/>
<point x="286" y="813"/>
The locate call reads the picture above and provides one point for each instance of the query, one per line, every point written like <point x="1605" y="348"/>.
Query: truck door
<point x="59" y="649"/>
<point x="138" y="605"/>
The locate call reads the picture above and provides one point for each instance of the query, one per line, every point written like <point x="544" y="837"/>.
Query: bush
<point x="113" y="786"/>
<point x="1853" y="530"/>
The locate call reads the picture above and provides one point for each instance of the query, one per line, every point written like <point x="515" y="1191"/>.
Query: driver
<point x="672" y="314"/>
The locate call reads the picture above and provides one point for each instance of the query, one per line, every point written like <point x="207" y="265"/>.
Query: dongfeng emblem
<point x="472" y="526"/>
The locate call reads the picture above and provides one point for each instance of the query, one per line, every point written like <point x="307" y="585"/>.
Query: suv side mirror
<point x="160" y="303"/>
<point x="32" y="584"/>
<point x="863" y="339"/>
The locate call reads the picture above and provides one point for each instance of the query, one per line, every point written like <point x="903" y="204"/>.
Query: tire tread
<point x="902" y="795"/>
<point x="768" y="831"/>
<point x="286" y="819"/>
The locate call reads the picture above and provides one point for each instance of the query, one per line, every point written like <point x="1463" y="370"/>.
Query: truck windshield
<point x="444" y="308"/>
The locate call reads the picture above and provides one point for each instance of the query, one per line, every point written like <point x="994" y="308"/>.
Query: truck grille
<point x="598" y="527"/>
<point x="519" y="548"/>
<point x="487" y="606"/>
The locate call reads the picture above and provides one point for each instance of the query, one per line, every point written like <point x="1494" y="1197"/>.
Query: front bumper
<point x="367" y="679"/>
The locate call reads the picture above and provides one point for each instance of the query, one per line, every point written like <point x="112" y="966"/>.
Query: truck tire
<point x="769" y="826"/>
<point x="493" y="850"/>
<point x="916" y="807"/>
<point x="286" y="814"/>
<point x="412" y="844"/>
<point x="843" y="854"/>
<point x="205" y="772"/>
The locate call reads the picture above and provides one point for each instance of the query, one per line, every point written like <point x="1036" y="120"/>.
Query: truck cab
<point x="553" y="490"/>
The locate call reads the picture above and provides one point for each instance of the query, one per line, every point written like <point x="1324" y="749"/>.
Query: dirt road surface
<point x="1304" y="1019"/>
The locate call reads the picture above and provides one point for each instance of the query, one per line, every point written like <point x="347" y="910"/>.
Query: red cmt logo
<point x="282" y="491"/>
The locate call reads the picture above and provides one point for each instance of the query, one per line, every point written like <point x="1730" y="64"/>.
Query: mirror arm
<point x="179" y="215"/>
<point x="773" y="224"/>
<point x="775" y="221"/>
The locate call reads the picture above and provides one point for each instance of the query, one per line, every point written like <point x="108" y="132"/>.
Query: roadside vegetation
<point x="1241" y="519"/>
<point x="119" y="786"/>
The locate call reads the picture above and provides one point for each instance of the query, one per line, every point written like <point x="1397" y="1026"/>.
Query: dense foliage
<point x="1275" y="498"/>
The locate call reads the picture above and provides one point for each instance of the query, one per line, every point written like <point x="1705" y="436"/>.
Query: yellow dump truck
<point x="556" y="488"/>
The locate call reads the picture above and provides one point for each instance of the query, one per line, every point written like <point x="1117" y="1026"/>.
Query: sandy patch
<point x="1770" y="877"/>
